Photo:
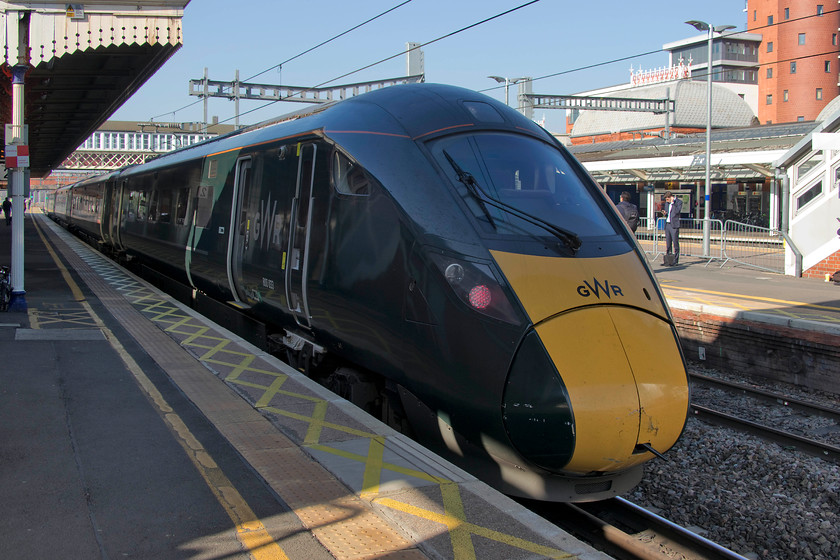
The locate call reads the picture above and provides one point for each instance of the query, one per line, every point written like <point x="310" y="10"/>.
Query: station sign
<point x="17" y="156"/>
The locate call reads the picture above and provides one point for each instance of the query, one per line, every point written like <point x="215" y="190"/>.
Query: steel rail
<point x="645" y="535"/>
<point x="697" y="543"/>
<point x="786" y="439"/>
<point x="769" y="396"/>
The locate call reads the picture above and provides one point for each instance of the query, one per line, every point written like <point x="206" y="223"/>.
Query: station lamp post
<point x="508" y="82"/>
<point x="707" y="203"/>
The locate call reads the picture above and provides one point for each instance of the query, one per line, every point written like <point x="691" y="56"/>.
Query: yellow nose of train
<point x="618" y="384"/>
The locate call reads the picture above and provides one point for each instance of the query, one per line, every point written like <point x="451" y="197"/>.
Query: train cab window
<point x="347" y="177"/>
<point x="526" y="174"/>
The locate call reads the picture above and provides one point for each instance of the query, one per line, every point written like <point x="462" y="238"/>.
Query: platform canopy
<point x="85" y="60"/>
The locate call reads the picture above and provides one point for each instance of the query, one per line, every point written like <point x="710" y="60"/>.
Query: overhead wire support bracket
<point x="592" y="103"/>
<point x="265" y="92"/>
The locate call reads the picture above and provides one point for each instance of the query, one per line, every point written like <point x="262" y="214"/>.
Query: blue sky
<point x="543" y="38"/>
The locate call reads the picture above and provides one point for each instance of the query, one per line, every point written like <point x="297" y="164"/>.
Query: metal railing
<point x="651" y="236"/>
<point x="756" y="246"/>
<point x="729" y="242"/>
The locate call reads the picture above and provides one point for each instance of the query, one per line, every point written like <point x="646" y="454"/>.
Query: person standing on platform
<point x="673" y="208"/>
<point x="629" y="211"/>
<point x="7" y="211"/>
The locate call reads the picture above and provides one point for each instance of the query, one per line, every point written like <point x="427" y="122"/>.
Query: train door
<point x="106" y="212"/>
<point x="114" y="212"/>
<point x="297" y="255"/>
<point x="238" y="226"/>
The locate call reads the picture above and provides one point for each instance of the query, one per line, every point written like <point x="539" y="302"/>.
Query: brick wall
<point x="819" y="47"/>
<point x="802" y="357"/>
<point x="826" y="266"/>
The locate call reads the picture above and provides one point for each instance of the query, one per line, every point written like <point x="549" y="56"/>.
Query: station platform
<point x="132" y="427"/>
<point x="755" y="323"/>
<point x="750" y="293"/>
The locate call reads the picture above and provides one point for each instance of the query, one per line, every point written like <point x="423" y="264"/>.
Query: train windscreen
<point x="492" y="171"/>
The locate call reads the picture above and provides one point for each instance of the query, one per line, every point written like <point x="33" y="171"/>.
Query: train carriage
<point x="435" y="257"/>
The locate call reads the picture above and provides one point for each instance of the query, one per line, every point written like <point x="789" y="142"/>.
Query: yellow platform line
<point x="756" y="298"/>
<point x="452" y="522"/>
<point x="459" y="533"/>
<point x="399" y="469"/>
<point x="322" y="423"/>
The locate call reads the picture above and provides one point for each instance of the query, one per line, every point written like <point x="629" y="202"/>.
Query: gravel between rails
<point x="751" y="496"/>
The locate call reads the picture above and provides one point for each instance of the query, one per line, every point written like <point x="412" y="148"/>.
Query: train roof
<point x="414" y="111"/>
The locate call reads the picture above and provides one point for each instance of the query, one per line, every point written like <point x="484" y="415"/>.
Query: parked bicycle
<point x="5" y="288"/>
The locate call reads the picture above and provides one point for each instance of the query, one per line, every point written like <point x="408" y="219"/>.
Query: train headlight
<point x="454" y="273"/>
<point x="477" y="286"/>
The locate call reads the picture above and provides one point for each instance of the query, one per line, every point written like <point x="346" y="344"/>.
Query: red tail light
<point x="476" y="285"/>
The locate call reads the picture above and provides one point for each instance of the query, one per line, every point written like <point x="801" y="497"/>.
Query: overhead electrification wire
<point x="624" y="58"/>
<point x="327" y="41"/>
<point x="321" y="44"/>
<point x="393" y="56"/>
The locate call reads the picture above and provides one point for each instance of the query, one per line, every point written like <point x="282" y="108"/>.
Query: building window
<point x="769" y="20"/>
<point x="819" y="9"/>
<point x="808" y="196"/>
<point x="815" y="160"/>
<point x="793" y="67"/>
<point x="828" y="66"/>
<point x="787" y="13"/>
<point x="819" y="94"/>
<point x="770" y="46"/>
<point x="770" y="99"/>
<point x="800" y="118"/>
<point x="834" y="39"/>
<point x="785" y="96"/>
<point x="769" y="73"/>
<point x="801" y="38"/>
<point x="755" y="14"/>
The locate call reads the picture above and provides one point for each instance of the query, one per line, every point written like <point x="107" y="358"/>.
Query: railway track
<point x="785" y="438"/>
<point x="626" y="531"/>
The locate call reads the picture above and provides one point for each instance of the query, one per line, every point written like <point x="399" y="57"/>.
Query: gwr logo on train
<point x="586" y="289"/>
<point x="266" y="227"/>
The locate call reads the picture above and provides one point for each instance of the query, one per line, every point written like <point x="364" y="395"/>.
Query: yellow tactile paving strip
<point x="383" y="506"/>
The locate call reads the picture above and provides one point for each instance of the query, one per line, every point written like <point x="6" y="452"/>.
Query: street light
<point x="707" y="203"/>
<point x="507" y="82"/>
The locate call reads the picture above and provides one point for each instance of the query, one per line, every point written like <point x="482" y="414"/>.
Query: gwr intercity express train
<point x="435" y="257"/>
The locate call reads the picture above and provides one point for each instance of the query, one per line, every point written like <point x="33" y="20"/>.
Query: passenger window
<point x="165" y="207"/>
<point x="347" y="177"/>
<point x="142" y="207"/>
<point x="183" y="202"/>
<point x="153" y="207"/>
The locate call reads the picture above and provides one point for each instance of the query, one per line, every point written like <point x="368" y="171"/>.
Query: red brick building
<point x="798" y="63"/>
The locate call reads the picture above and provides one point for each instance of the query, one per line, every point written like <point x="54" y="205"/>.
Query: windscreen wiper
<point x="469" y="181"/>
<point x="570" y="238"/>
